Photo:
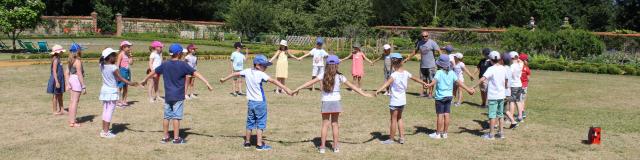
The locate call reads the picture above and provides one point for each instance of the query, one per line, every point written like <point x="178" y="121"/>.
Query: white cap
<point x="386" y="47"/>
<point x="458" y="55"/>
<point x="452" y="58"/>
<point x="184" y="50"/>
<point x="513" y="54"/>
<point x="284" y="43"/>
<point x="107" y="51"/>
<point x="494" y="55"/>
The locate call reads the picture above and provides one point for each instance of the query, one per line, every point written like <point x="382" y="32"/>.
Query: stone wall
<point x="59" y="25"/>
<point x="184" y="29"/>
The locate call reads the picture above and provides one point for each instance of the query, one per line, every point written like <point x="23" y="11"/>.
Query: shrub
<point x="402" y="43"/>
<point x="614" y="69"/>
<point x="574" y="68"/>
<point x="535" y="65"/>
<point x="589" y="68"/>
<point x="554" y="66"/>
<point x="573" y="44"/>
<point x="629" y="70"/>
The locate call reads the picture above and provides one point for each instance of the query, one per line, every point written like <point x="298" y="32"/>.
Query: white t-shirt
<point x="191" y="60"/>
<point x="516" y="73"/>
<point x="457" y="68"/>
<point x="108" y="79"/>
<point x="399" y="88"/>
<point x="496" y="76"/>
<point x="254" y="79"/>
<point x="335" y="95"/>
<point x="157" y="59"/>
<point x="318" y="56"/>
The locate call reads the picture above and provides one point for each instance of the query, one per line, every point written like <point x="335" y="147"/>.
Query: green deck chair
<point x="29" y="47"/>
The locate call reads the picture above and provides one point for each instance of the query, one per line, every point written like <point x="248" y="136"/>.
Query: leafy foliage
<point x="19" y="15"/>
<point x="250" y="18"/>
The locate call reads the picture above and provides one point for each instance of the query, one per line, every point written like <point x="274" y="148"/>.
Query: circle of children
<point x="503" y="80"/>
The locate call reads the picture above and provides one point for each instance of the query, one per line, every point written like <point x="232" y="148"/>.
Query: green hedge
<point x="571" y="43"/>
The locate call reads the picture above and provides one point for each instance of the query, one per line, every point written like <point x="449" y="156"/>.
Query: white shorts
<point x="317" y="70"/>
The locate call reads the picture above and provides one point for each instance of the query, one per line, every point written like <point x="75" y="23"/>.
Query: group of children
<point x="178" y="75"/>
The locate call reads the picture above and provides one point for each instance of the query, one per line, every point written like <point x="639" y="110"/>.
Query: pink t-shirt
<point x="124" y="62"/>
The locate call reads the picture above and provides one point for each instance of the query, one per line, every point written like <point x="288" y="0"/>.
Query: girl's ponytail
<point x="102" y="61"/>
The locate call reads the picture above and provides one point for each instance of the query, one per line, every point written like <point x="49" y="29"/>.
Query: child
<point x="331" y="107"/>
<point x="124" y="60"/>
<point x="56" y="83"/>
<point x="282" y="67"/>
<point x="397" y="83"/>
<point x="237" y="64"/>
<point x="109" y="91"/>
<point x="443" y="83"/>
<point x="75" y="82"/>
<point x="155" y="59"/>
<point x="459" y="68"/>
<point x="387" y="64"/>
<point x="318" y="59"/>
<point x="173" y="73"/>
<point x="257" y="105"/>
<point x="482" y="66"/>
<point x="495" y="77"/>
<point x="516" y="88"/>
<point x="192" y="60"/>
<point x="357" y="68"/>
<point x="526" y="73"/>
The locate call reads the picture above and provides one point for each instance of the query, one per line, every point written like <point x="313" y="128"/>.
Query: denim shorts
<point x="256" y="115"/>
<point x="173" y="109"/>
<point x="393" y="108"/>
<point x="443" y="105"/>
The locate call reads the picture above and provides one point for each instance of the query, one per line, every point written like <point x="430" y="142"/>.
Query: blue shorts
<point x="443" y="105"/>
<point x="256" y="115"/>
<point x="173" y="109"/>
<point x="126" y="74"/>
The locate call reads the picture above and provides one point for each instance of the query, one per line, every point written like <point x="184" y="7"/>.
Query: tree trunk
<point x="13" y="38"/>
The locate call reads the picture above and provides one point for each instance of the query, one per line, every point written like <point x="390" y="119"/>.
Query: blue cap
<point x="175" y="49"/>
<point x="448" y="48"/>
<point x="75" y="47"/>
<point x="395" y="55"/>
<point x="319" y="41"/>
<point x="261" y="60"/>
<point x="333" y="59"/>
<point x="443" y="61"/>
<point x="506" y="59"/>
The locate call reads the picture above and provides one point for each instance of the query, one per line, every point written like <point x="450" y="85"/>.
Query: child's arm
<point x="78" y="65"/>
<point x="424" y="84"/>
<point x="465" y="70"/>
<point x="274" y="56"/>
<point x="118" y="59"/>
<point x="355" y="88"/>
<point x="196" y="74"/>
<point x="222" y="80"/>
<point x="150" y="63"/>
<point x="294" y="56"/>
<point x="151" y="74"/>
<point x="306" y="84"/>
<point x="116" y="73"/>
<point x="130" y="58"/>
<point x="349" y="56"/>
<point x="483" y="79"/>
<point x="365" y="57"/>
<point x="377" y="59"/>
<point x="277" y="83"/>
<point x="246" y="50"/>
<point x="469" y="90"/>
<point x="305" y="55"/>
<point x="55" y="73"/>
<point x="385" y="85"/>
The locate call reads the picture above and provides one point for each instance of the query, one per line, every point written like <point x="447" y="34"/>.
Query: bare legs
<point x="153" y="89"/>
<point x="247" y="136"/>
<point x="123" y="98"/>
<point x="57" y="104"/>
<point x="442" y="123"/>
<point x="396" y="123"/>
<point x="176" y="127"/>
<point x="330" y="118"/>
<point x="73" y="108"/>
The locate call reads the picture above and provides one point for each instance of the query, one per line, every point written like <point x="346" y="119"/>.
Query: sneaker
<point x="240" y="93"/>
<point x="246" y="145"/>
<point x="234" y="94"/>
<point x="165" y="140"/>
<point x="321" y="150"/>
<point x="500" y="135"/>
<point x="487" y="136"/>
<point x="187" y="97"/>
<point x="107" y="135"/>
<point x="264" y="147"/>
<point x="435" y="135"/>
<point x="336" y="150"/>
<point x="401" y="141"/>
<point x="179" y="141"/>
<point x="388" y="141"/>
<point x="193" y="96"/>
<point x="444" y="135"/>
<point x="457" y="104"/>
<point x="514" y="125"/>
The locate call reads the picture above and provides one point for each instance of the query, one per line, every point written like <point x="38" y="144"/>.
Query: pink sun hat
<point x="156" y="44"/>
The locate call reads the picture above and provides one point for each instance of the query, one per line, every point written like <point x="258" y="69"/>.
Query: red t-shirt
<point x="526" y="72"/>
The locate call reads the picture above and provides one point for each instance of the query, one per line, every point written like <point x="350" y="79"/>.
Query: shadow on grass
<point x="472" y="104"/>
<point x="119" y="127"/>
<point x="378" y="136"/>
<point x="132" y="102"/>
<point x="477" y="132"/>
<point x="84" y="119"/>
<point x="420" y="129"/>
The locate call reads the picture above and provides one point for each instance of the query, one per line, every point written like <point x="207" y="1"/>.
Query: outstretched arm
<point x="483" y="79"/>
<point x="424" y="84"/>
<point x="465" y="70"/>
<point x="151" y="74"/>
<point x="469" y="90"/>
<point x="306" y="84"/>
<point x="365" y="58"/>
<point x="305" y="55"/>
<point x="349" y="56"/>
<point x="222" y="80"/>
<point x="277" y="83"/>
<point x="410" y="56"/>
<point x="274" y="56"/>
<point x="199" y="76"/>
<point x="358" y="90"/>
<point x="385" y="85"/>
<point x="122" y="79"/>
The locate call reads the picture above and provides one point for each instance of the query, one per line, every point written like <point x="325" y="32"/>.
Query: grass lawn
<point x="561" y="107"/>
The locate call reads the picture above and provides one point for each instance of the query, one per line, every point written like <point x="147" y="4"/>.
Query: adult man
<point x="426" y="47"/>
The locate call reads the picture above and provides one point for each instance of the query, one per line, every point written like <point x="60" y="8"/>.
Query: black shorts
<point x="443" y="105"/>
<point x="427" y="74"/>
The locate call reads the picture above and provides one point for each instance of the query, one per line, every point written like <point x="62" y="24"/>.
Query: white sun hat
<point x="386" y="47"/>
<point x="284" y="43"/>
<point x="56" y="49"/>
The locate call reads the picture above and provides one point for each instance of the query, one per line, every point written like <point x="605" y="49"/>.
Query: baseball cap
<point x="443" y="61"/>
<point x="448" y="48"/>
<point x="284" y="43"/>
<point x="192" y="46"/>
<point x="513" y="54"/>
<point x="75" y="47"/>
<point x="333" y="59"/>
<point x="56" y="49"/>
<point x="506" y="59"/>
<point x="107" y="51"/>
<point x="386" y="47"/>
<point x="523" y="56"/>
<point x="395" y="55"/>
<point x="458" y="55"/>
<point x="238" y="45"/>
<point x="260" y="59"/>
<point x="156" y="44"/>
<point x="495" y="55"/>
<point x="125" y="43"/>
<point x="319" y="41"/>
<point x="175" y="49"/>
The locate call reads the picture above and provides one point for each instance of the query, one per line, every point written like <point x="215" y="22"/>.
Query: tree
<point x="342" y="17"/>
<point x="250" y="18"/>
<point x="19" y="15"/>
<point x="628" y="16"/>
